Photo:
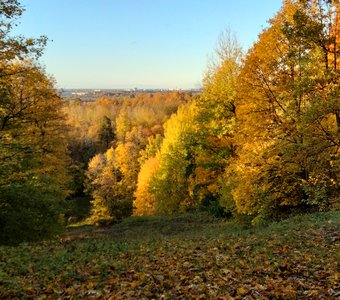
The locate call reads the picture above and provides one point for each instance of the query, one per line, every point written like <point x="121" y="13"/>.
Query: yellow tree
<point x="286" y="112"/>
<point x="216" y="119"/>
<point x="112" y="179"/>
<point x="171" y="183"/>
<point x="33" y="174"/>
<point x="145" y="202"/>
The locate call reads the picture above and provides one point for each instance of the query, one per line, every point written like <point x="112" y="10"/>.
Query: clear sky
<point x="138" y="43"/>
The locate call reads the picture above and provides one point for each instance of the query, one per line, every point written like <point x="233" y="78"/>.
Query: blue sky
<point x="138" y="43"/>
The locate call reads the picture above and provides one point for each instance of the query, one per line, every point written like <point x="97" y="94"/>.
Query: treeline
<point x="108" y="141"/>
<point x="261" y="142"/>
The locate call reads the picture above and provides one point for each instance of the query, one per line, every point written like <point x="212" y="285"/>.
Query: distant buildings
<point x="91" y="95"/>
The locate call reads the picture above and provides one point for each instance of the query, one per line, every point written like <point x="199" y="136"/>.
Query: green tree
<point x="106" y="134"/>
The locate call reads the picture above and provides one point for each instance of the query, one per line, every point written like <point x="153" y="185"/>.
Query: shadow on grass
<point x="150" y="227"/>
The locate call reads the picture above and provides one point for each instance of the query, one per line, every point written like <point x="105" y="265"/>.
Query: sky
<point x="138" y="43"/>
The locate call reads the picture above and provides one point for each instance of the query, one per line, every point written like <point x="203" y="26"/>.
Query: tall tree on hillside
<point x="33" y="175"/>
<point x="112" y="179"/>
<point x="216" y="117"/>
<point x="287" y="104"/>
<point x="33" y="160"/>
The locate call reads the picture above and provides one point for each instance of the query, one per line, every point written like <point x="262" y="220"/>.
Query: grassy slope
<point x="185" y="256"/>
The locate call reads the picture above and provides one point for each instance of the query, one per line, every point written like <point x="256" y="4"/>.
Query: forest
<point x="259" y="144"/>
<point x="232" y="193"/>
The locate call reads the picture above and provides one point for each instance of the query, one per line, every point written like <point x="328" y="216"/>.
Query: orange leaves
<point x="285" y="261"/>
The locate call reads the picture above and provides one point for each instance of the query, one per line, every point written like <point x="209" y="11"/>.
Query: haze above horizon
<point x="138" y="44"/>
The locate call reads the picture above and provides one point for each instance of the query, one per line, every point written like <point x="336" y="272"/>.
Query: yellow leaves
<point x="123" y="124"/>
<point x="144" y="203"/>
<point x="138" y="261"/>
<point x="96" y="163"/>
<point x="110" y="156"/>
<point x="134" y="284"/>
<point x="179" y="127"/>
<point x="171" y="181"/>
<point x="283" y="122"/>
<point x="242" y="291"/>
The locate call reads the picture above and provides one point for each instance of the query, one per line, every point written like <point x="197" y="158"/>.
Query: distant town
<point x="91" y="95"/>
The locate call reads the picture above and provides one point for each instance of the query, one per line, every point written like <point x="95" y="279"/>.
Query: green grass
<point x="183" y="256"/>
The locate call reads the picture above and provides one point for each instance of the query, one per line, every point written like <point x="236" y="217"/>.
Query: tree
<point x="216" y="118"/>
<point x="33" y="160"/>
<point x="145" y="202"/>
<point x="106" y="134"/>
<point x="100" y="182"/>
<point x="111" y="182"/>
<point x="287" y="101"/>
<point x="123" y="125"/>
<point x="15" y="47"/>
<point x="33" y="174"/>
<point x="171" y="182"/>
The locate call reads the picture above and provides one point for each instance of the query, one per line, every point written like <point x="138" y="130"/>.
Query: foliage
<point x="33" y="175"/>
<point x="33" y="160"/>
<point x="287" y="104"/>
<point x="170" y="183"/>
<point x="180" y="256"/>
<point x="106" y="134"/>
<point x="104" y="184"/>
<point x="145" y="202"/>
<point x="112" y="177"/>
<point x="15" y="47"/>
<point x="216" y="121"/>
<point x="27" y="214"/>
<point x="129" y="123"/>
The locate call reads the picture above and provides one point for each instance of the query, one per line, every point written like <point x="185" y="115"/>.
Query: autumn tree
<point x="287" y="103"/>
<point x="108" y="189"/>
<point x="112" y="179"/>
<point x="216" y="118"/>
<point x="33" y="160"/>
<point x="145" y="202"/>
<point x="33" y="176"/>
<point x="123" y="125"/>
<point x="171" y="183"/>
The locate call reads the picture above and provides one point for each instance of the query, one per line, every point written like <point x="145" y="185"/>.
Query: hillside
<point x="191" y="256"/>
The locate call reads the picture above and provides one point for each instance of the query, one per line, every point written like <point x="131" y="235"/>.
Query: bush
<point x="28" y="214"/>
